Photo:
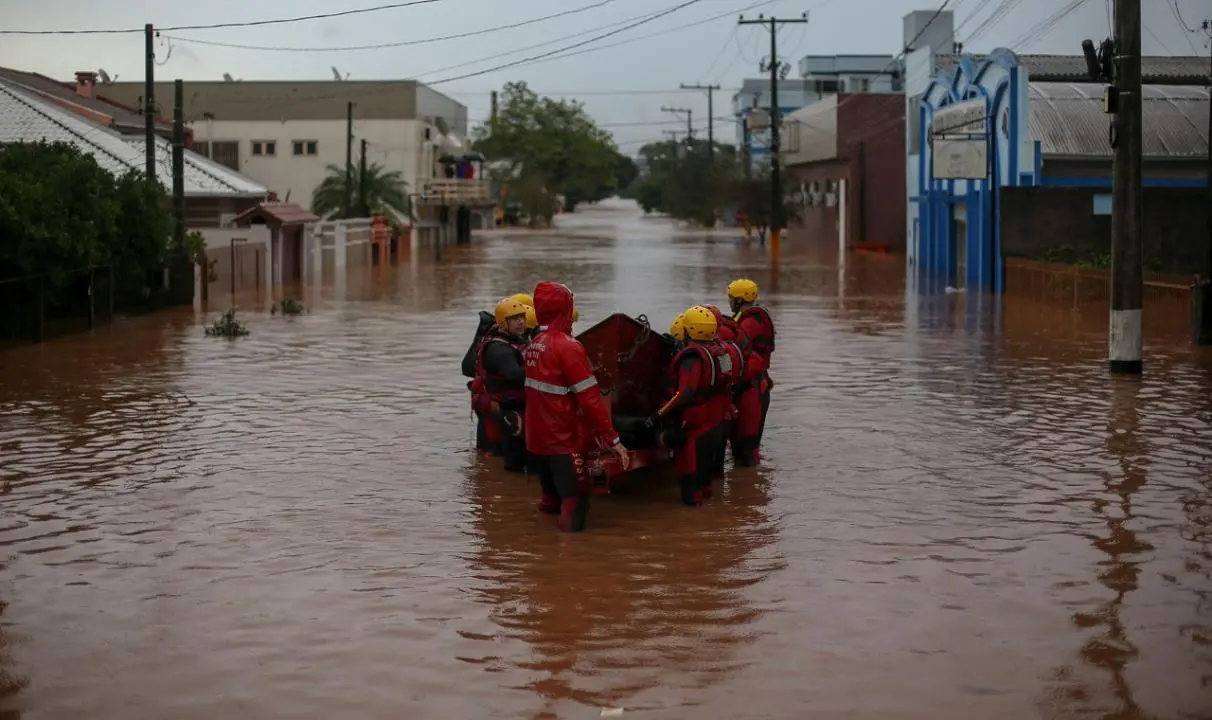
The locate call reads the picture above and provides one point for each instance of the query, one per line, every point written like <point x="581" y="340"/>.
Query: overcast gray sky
<point x="623" y="85"/>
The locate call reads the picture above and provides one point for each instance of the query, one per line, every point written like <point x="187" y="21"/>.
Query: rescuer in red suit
<point x="692" y="416"/>
<point x="732" y="339"/>
<point x="498" y="394"/>
<point x="565" y="416"/>
<point x="753" y="401"/>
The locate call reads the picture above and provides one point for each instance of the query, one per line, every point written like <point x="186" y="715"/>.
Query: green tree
<point x="686" y="180"/>
<point x="61" y="213"/>
<point x="553" y="147"/>
<point x="383" y="189"/>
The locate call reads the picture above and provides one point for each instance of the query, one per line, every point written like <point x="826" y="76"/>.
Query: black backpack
<point x="469" y="360"/>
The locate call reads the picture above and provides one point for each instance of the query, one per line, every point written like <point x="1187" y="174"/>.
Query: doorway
<point x="958" y="247"/>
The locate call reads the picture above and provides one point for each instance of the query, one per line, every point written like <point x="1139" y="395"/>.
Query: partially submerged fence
<point x="33" y="311"/>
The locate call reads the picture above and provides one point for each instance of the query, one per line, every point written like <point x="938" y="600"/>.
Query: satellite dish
<point x="228" y="78"/>
<point x="440" y="123"/>
<point x="105" y="78"/>
<point x="336" y="74"/>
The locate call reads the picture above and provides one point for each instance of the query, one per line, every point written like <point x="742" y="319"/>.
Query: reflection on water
<point x="961" y="515"/>
<point x="646" y="615"/>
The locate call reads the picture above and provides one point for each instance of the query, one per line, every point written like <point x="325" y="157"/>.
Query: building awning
<point x="275" y="213"/>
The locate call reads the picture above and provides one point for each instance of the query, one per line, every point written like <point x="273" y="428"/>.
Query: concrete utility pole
<point x="776" y="187"/>
<point x="349" y="106"/>
<point x="1127" y="219"/>
<point x="362" y="199"/>
<point x="1201" y="294"/>
<point x="710" y="115"/>
<point x="149" y="100"/>
<point x="179" y="167"/>
<point x="689" y="120"/>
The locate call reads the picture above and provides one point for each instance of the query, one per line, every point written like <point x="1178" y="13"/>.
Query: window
<point x="862" y="84"/>
<point x="202" y="148"/>
<point x="264" y="147"/>
<point x="305" y="147"/>
<point x="824" y="87"/>
<point x="226" y="153"/>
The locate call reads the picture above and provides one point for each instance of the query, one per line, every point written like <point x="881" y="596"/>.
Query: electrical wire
<point x="218" y="26"/>
<point x="372" y="87"/>
<point x="402" y="43"/>
<point x="1046" y="26"/>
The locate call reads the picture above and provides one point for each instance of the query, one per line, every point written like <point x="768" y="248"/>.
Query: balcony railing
<point x="455" y="191"/>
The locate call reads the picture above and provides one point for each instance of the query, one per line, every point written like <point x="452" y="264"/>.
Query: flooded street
<point x="960" y="516"/>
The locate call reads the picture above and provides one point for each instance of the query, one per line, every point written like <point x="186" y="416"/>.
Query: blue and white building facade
<point x="976" y="125"/>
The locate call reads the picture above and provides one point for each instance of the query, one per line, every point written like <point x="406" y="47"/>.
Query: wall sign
<point x="965" y="118"/>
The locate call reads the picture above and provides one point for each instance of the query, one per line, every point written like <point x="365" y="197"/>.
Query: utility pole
<point x="149" y="100"/>
<point x="492" y="122"/>
<point x="776" y="69"/>
<point x="364" y="208"/>
<point x="689" y="119"/>
<point x="710" y="115"/>
<point x="1127" y="220"/>
<point x="673" y="134"/>
<point x="349" y="158"/>
<point x="1202" y="293"/>
<point x="179" y="168"/>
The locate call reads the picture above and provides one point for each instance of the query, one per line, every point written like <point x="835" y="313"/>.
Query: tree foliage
<point x="61" y="213"/>
<point x="683" y="180"/>
<point x="380" y="189"/>
<point x="551" y="147"/>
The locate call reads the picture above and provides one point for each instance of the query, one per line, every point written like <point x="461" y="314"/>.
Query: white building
<point x="285" y="134"/>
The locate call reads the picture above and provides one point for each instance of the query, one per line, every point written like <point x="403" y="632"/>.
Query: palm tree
<point x="377" y="190"/>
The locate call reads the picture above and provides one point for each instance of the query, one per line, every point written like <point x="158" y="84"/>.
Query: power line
<point x="559" y="53"/>
<point x="217" y="26"/>
<point x="402" y="43"/>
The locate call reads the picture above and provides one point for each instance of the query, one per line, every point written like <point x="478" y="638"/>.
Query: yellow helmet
<point x="743" y="289"/>
<point x="524" y="299"/>
<point x="576" y="314"/>
<point x="699" y="323"/>
<point x="507" y="308"/>
<point x="677" y="329"/>
<point x="532" y="320"/>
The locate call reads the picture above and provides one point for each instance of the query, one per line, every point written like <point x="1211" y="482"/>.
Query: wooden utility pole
<point x="149" y="100"/>
<point x="710" y="115"/>
<point x="1127" y="220"/>
<point x="179" y="167"/>
<point x="1201" y="294"/>
<point x="689" y="119"/>
<point x="774" y="66"/>
<point x="349" y="158"/>
<point x="492" y="121"/>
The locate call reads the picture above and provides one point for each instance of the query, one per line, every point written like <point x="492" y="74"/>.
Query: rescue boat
<point x="629" y="360"/>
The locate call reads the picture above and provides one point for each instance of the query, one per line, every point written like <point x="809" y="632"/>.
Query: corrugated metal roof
<point x="27" y="118"/>
<point x="1067" y="119"/>
<point x="1188" y="69"/>
<point x="203" y="176"/>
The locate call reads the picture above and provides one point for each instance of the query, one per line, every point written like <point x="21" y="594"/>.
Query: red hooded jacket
<point x="564" y="409"/>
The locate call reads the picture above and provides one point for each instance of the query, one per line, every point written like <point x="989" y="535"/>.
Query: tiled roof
<point x="1067" y="119"/>
<point x="1189" y="70"/>
<point x="121" y="115"/>
<point x="27" y="118"/>
<point x="203" y="176"/>
<point x="279" y="212"/>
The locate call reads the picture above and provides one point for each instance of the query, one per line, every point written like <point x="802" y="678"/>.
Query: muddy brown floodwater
<point x="961" y="515"/>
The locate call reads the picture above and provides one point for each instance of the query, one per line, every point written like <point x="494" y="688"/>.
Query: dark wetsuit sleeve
<point x="504" y="362"/>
